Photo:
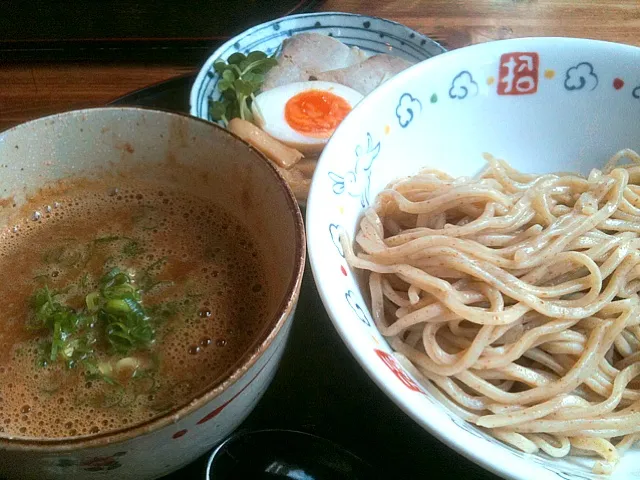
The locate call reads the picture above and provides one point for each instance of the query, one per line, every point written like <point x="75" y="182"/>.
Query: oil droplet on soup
<point x="201" y="268"/>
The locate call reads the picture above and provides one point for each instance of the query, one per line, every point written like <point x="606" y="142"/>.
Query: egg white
<point x="268" y="112"/>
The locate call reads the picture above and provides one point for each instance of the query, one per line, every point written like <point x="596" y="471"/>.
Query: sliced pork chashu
<point x="366" y="76"/>
<point x="307" y="54"/>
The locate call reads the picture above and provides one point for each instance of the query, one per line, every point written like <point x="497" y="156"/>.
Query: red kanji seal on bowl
<point x="518" y="73"/>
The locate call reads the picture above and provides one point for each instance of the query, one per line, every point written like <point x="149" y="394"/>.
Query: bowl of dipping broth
<point x="151" y="263"/>
<point x="473" y="231"/>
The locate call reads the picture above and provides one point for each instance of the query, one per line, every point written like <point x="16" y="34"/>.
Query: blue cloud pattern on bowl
<point x="370" y="34"/>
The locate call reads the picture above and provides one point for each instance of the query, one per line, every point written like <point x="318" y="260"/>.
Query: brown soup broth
<point x="208" y="281"/>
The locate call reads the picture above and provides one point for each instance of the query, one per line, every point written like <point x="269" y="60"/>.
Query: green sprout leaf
<point x="219" y="66"/>
<point x="243" y="87"/>
<point x="217" y="110"/>
<point x="255" y="56"/>
<point x="241" y="78"/>
<point x="236" y="58"/>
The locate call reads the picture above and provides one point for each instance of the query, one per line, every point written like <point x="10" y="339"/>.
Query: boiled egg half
<point x="304" y="115"/>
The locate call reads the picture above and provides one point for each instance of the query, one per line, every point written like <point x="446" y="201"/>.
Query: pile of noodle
<point x="515" y="299"/>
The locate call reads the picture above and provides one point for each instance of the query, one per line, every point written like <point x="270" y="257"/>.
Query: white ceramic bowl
<point x="370" y="34"/>
<point x="544" y="105"/>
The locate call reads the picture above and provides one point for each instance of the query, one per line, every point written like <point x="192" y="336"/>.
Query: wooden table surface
<point x="32" y="90"/>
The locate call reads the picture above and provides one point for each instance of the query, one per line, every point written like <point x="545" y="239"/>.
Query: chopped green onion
<point x="116" y="306"/>
<point x="93" y="302"/>
<point x="114" y="312"/>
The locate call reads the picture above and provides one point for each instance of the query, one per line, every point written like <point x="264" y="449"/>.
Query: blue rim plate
<point x="370" y="34"/>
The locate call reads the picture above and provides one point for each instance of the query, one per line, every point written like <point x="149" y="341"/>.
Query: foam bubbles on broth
<point x="209" y="269"/>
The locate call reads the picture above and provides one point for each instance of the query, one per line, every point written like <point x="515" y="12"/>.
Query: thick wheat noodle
<point x="513" y="298"/>
<point x="631" y="340"/>
<point x="620" y="225"/>
<point x="438" y="246"/>
<point x="565" y="402"/>
<point x="602" y="447"/>
<point x="522" y="374"/>
<point x="608" y="369"/>
<point x="499" y="356"/>
<point x="630" y="360"/>
<point x="518" y="440"/>
<point x="509" y="222"/>
<point x="549" y="448"/>
<point x="451" y="298"/>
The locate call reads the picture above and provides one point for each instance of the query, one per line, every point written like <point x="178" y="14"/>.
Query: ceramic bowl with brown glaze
<point x="105" y="143"/>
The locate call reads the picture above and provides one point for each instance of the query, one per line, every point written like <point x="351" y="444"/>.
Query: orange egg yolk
<point x="316" y="113"/>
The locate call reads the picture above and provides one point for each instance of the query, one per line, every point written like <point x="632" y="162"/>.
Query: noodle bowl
<point x="514" y="299"/>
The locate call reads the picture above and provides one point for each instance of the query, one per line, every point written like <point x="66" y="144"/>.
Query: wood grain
<point x="457" y="23"/>
<point x="30" y="91"/>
